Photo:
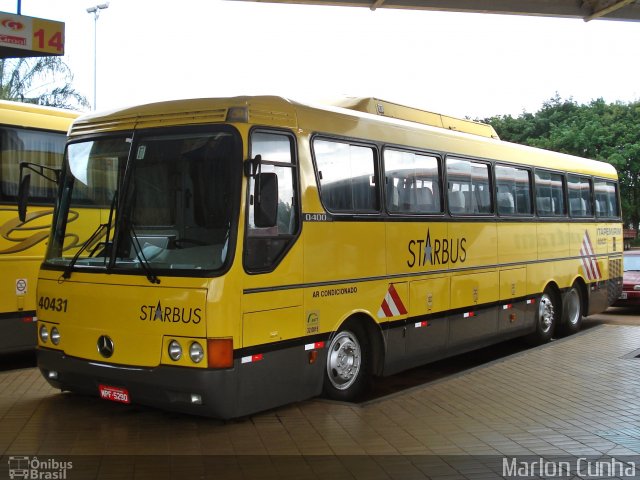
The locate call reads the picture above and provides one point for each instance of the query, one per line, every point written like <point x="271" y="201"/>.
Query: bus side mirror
<point x="23" y="197"/>
<point x="51" y="174"/>
<point x="266" y="200"/>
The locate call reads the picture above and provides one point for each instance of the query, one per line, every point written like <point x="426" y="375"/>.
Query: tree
<point x="607" y="132"/>
<point x="41" y="80"/>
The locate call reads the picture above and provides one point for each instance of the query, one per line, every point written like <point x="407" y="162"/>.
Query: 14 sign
<point x="30" y="34"/>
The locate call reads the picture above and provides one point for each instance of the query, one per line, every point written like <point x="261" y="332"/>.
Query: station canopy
<point x="627" y="10"/>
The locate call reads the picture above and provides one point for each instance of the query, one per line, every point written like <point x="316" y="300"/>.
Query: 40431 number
<point x="52" y="303"/>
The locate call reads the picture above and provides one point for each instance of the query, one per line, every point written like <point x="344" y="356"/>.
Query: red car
<point x="630" y="280"/>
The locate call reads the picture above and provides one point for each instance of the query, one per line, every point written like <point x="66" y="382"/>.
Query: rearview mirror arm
<point x="51" y="174"/>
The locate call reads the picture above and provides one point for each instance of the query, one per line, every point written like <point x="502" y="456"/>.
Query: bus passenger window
<point x="606" y="199"/>
<point x="412" y="182"/>
<point x="580" y="203"/>
<point x="549" y="194"/>
<point x="468" y="187"/>
<point x="347" y="174"/>
<point x="513" y="190"/>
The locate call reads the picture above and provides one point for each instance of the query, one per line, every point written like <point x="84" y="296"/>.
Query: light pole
<point x="96" y="13"/>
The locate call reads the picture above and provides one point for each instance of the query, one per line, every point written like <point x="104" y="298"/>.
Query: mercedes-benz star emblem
<point x="105" y="346"/>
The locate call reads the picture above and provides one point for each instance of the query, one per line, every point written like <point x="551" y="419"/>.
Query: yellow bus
<point x="35" y="135"/>
<point x="248" y="252"/>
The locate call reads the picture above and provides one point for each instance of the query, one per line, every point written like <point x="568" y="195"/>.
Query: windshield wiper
<point x="144" y="262"/>
<point x="94" y="236"/>
<point x="106" y="252"/>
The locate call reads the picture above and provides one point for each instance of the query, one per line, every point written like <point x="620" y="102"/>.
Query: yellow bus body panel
<point x="136" y="316"/>
<point x="22" y="246"/>
<point x="429" y="296"/>
<point x="340" y="252"/>
<point x="272" y="325"/>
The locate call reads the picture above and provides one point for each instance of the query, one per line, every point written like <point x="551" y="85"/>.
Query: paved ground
<point x="576" y="397"/>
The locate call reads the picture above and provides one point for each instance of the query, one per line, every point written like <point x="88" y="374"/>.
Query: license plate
<point x="623" y="296"/>
<point x="114" y="394"/>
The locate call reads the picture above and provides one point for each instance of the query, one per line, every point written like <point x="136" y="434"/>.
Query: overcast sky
<point x="459" y="64"/>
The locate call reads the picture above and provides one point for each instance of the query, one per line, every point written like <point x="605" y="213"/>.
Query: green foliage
<point x="41" y="80"/>
<point x="607" y="132"/>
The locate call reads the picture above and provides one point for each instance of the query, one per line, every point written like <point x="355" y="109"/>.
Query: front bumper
<point x="165" y="387"/>
<point x="281" y="375"/>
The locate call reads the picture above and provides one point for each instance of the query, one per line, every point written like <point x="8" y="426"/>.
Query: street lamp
<point x="96" y="13"/>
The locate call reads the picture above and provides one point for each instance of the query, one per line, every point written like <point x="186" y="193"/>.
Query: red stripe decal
<point x="397" y="300"/>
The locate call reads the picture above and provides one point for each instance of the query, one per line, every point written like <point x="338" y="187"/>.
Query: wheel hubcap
<point x="546" y="313"/>
<point x="573" y="307"/>
<point x="343" y="361"/>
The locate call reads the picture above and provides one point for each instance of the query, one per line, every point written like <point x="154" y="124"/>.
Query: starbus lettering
<point x="440" y="251"/>
<point x="158" y="313"/>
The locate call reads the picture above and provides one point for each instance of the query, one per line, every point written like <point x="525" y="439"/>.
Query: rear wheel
<point x="348" y="368"/>
<point x="571" y="312"/>
<point x="546" y="318"/>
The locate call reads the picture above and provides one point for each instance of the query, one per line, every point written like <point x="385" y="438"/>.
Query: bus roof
<point x="35" y="116"/>
<point x="355" y="121"/>
<point x="403" y="112"/>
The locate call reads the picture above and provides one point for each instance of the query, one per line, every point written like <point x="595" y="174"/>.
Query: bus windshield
<point x="160" y="203"/>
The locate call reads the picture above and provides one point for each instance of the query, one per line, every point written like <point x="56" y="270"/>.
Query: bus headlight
<point x="55" y="336"/>
<point x="44" y="333"/>
<point x="175" y="350"/>
<point x="196" y="352"/>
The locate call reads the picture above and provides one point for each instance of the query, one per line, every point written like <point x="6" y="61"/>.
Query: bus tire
<point x="571" y="312"/>
<point x="546" y="318"/>
<point x="349" y="362"/>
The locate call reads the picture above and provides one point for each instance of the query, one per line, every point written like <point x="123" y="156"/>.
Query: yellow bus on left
<point x="33" y="136"/>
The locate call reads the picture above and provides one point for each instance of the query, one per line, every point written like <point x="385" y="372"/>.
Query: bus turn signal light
<point x="220" y="352"/>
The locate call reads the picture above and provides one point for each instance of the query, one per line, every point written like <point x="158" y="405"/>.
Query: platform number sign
<point x="48" y="37"/>
<point x="30" y="34"/>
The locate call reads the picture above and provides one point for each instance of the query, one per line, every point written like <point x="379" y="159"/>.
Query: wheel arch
<point x="584" y="290"/>
<point x="555" y="290"/>
<point x="374" y="333"/>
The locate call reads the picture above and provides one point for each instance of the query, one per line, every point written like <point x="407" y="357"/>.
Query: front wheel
<point x="571" y="312"/>
<point x="546" y="319"/>
<point x="348" y="368"/>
